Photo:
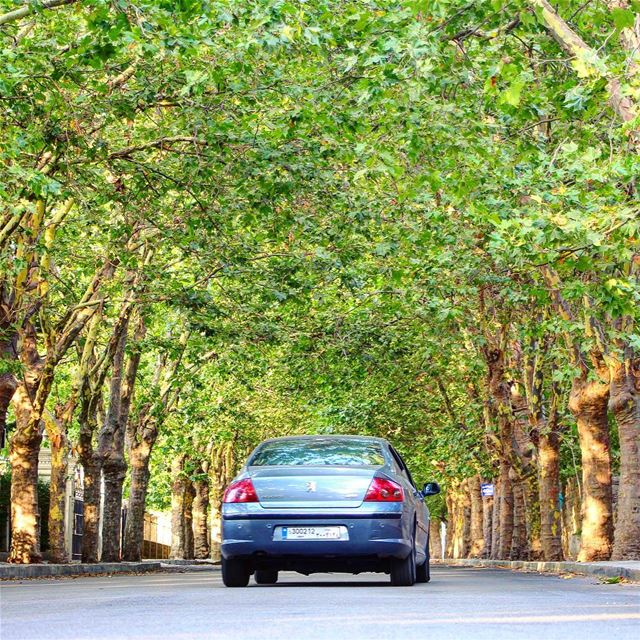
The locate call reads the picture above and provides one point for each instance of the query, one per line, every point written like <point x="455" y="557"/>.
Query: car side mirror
<point x="431" y="489"/>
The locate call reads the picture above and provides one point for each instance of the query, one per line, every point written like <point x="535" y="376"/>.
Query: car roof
<point x="327" y="436"/>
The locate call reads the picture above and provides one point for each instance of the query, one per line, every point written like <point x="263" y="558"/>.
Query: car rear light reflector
<point x="384" y="490"/>
<point x="240" y="491"/>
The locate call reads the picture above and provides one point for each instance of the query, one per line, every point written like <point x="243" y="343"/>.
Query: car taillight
<point x="383" y="490"/>
<point x="240" y="491"/>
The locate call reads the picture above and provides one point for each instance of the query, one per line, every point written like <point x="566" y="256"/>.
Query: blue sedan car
<point x="322" y="504"/>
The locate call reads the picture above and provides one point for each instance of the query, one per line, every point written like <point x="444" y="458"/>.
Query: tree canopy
<point x="223" y="221"/>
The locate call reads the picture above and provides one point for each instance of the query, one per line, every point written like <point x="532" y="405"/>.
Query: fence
<point x="153" y="532"/>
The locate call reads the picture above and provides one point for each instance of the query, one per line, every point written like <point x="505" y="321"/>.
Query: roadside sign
<point x="486" y="489"/>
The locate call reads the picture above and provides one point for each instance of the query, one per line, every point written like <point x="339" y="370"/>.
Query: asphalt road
<point x="459" y="603"/>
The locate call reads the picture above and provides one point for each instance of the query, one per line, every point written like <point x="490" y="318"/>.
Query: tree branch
<point x="576" y="47"/>
<point x="162" y="143"/>
<point x="30" y="8"/>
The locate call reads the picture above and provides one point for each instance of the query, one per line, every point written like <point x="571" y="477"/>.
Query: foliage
<point x="343" y="202"/>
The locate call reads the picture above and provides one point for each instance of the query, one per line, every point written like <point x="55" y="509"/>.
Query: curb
<point x="185" y="563"/>
<point x="13" y="571"/>
<point x="599" y="569"/>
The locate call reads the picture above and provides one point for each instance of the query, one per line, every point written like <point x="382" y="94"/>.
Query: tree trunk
<point x="113" y="473"/>
<point x="571" y="519"/>
<point x="8" y="387"/>
<point x="200" y="519"/>
<point x="502" y="410"/>
<point x="57" y="498"/>
<point x="90" y="461"/>
<point x="450" y="530"/>
<point x="465" y="508"/>
<point x="487" y="525"/>
<point x="549" y="496"/>
<point x="188" y="520"/>
<point x="519" y="547"/>
<point x="91" y="510"/>
<point x="476" y="549"/>
<point x="134" y="529"/>
<point x="25" y="543"/>
<point x="495" y="520"/>
<point x="8" y="351"/>
<point x="460" y="520"/>
<point x="623" y="403"/>
<point x="532" y="515"/>
<point x="222" y="470"/>
<point x="111" y="447"/>
<point x="588" y="404"/>
<point x="178" y="490"/>
<point x="216" y="532"/>
<point x="23" y="456"/>
<point x="435" y="539"/>
<point x="505" y="509"/>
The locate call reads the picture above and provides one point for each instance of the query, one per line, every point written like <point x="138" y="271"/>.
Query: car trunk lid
<point x="311" y="487"/>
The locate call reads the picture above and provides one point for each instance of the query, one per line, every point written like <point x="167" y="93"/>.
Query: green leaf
<point x="623" y="18"/>
<point x="511" y="95"/>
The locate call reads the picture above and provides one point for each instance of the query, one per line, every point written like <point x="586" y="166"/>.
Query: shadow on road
<point x="325" y="583"/>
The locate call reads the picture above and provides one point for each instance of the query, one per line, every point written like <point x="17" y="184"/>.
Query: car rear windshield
<point x="330" y="451"/>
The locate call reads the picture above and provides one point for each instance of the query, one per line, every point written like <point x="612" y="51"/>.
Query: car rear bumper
<point x="370" y="535"/>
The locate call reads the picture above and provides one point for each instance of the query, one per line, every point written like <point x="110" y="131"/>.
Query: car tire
<point x="235" y="573"/>
<point x="265" y="576"/>
<point x="423" y="571"/>
<point x="403" y="572"/>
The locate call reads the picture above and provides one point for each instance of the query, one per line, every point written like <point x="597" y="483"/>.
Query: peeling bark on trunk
<point x="487" y="525"/>
<point x="495" y="520"/>
<point x="435" y="539"/>
<point x="139" y="456"/>
<point x="221" y="472"/>
<point x="501" y="408"/>
<point x="544" y="422"/>
<point x="140" y="437"/>
<point x="28" y="404"/>
<point x="549" y="493"/>
<point x="519" y="546"/>
<point x="113" y="474"/>
<point x="588" y="403"/>
<point x="532" y="515"/>
<point x="476" y="548"/>
<point x="178" y="490"/>
<point x="571" y="519"/>
<point x="200" y="519"/>
<point x="23" y="456"/>
<point x="465" y="503"/>
<point x="506" y="509"/>
<point x="88" y="419"/>
<point x="189" y="496"/>
<point x="25" y="544"/>
<point x="91" y="511"/>
<point x="623" y="403"/>
<point x="57" y="498"/>
<point x="112" y="438"/>
<point x="450" y="531"/>
<point x="458" y="521"/>
<point x="111" y="452"/>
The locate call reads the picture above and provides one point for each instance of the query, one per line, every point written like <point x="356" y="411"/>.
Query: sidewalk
<point x="44" y="570"/>
<point x="629" y="570"/>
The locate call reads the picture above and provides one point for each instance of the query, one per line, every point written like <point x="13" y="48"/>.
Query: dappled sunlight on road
<point x="458" y="603"/>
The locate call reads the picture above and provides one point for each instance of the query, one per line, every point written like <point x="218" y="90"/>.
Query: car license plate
<point x="311" y="533"/>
